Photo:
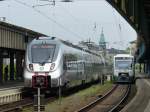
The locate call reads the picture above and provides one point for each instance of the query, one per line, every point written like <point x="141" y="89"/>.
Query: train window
<point x="71" y="65"/>
<point x="64" y="65"/>
<point x="41" y="53"/>
<point x="123" y="58"/>
<point x="123" y="64"/>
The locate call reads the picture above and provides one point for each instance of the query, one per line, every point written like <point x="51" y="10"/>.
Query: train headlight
<point x="31" y="67"/>
<point x="52" y="66"/>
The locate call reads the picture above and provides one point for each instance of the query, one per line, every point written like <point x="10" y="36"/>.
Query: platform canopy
<point x="137" y="14"/>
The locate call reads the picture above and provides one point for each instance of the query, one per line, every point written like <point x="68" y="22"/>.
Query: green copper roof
<point x="102" y="38"/>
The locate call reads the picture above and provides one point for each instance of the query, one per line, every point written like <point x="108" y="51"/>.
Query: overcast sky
<point x="73" y="21"/>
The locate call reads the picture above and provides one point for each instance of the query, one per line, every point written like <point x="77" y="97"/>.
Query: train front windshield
<point x="127" y="64"/>
<point x="42" y="53"/>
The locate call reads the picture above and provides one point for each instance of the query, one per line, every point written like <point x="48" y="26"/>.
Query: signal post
<point x="39" y="82"/>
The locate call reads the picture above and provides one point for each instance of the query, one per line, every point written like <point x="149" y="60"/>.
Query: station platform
<point x="141" y="101"/>
<point x="11" y="91"/>
<point x="11" y="84"/>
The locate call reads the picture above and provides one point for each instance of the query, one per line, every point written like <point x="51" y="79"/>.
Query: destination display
<point x="43" y="46"/>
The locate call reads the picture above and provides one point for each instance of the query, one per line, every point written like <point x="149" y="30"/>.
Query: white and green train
<point x="123" y="68"/>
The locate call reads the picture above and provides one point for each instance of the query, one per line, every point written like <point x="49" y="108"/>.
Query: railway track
<point x="18" y="106"/>
<point x="12" y="107"/>
<point x="119" y="105"/>
<point x="110" y="102"/>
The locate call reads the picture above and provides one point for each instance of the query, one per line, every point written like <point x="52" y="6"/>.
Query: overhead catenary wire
<point x="49" y="18"/>
<point x="71" y="0"/>
<point x="66" y="11"/>
<point x="118" y="26"/>
<point x="69" y="13"/>
<point x="74" y="18"/>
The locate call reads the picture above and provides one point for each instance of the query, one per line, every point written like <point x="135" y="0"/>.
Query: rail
<point x="108" y="102"/>
<point x="117" y="106"/>
<point x="92" y="104"/>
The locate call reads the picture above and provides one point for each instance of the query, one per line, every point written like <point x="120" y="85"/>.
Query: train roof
<point x="66" y="43"/>
<point x="47" y="40"/>
<point x="123" y="55"/>
<point x="80" y="48"/>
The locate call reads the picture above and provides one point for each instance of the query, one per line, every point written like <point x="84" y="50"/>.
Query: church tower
<point x="102" y="42"/>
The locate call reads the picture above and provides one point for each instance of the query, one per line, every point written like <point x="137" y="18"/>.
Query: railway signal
<point x="40" y="81"/>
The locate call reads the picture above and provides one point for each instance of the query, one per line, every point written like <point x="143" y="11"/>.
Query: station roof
<point x="21" y="30"/>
